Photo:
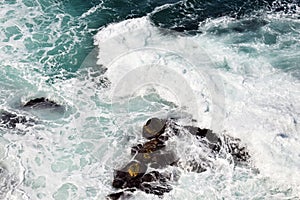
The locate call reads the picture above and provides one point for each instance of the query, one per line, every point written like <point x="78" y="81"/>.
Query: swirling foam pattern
<point x="77" y="52"/>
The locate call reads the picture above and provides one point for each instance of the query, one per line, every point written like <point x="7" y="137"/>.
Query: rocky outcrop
<point x="11" y="120"/>
<point x="144" y="171"/>
<point x="41" y="103"/>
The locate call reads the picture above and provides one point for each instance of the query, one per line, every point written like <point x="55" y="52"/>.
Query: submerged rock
<point x="36" y="106"/>
<point x="153" y="156"/>
<point x="11" y="120"/>
<point x="41" y="103"/>
<point x="124" y="194"/>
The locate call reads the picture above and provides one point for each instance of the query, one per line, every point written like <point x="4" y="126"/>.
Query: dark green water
<point x="50" y="48"/>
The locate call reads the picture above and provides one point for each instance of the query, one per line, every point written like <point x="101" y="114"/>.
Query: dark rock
<point x="282" y="135"/>
<point x="155" y="189"/>
<point x="197" y="131"/>
<point x="134" y="175"/>
<point x="130" y="175"/>
<point x="124" y="194"/>
<point x="153" y="128"/>
<point x="115" y="196"/>
<point x="10" y="120"/>
<point x="149" y="147"/>
<point x="239" y="153"/>
<point x="213" y="141"/>
<point x="154" y="154"/>
<point x="155" y="183"/>
<point x="41" y="103"/>
<point x="196" y="166"/>
<point x="157" y="159"/>
<point x="162" y="160"/>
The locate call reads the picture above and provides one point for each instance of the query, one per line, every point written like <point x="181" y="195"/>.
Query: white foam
<point x="260" y="104"/>
<point x="138" y="54"/>
<point x="92" y="10"/>
<point x="260" y="101"/>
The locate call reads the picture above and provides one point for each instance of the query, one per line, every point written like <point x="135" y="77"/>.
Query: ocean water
<point x="232" y="66"/>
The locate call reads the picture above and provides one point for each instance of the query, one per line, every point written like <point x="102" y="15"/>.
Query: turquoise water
<point x="240" y="61"/>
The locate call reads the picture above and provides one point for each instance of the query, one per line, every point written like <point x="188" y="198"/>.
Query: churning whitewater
<point x="81" y="79"/>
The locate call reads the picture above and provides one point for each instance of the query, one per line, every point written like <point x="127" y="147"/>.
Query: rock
<point x="153" y="154"/>
<point x="124" y="194"/>
<point x="149" y="147"/>
<point x="129" y="176"/>
<point x="41" y="103"/>
<point x="10" y="120"/>
<point x="239" y="153"/>
<point x="157" y="159"/>
<point x="115" y="196"/>
<point x="153" y="128"/>
<point x="213" y="140"/>
<point x="134" y="175"/>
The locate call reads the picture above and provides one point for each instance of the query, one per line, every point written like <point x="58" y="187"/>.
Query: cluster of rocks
<point x="143" y="171"/>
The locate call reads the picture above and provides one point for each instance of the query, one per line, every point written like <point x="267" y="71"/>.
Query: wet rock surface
<point x="11" y="120"/>
<point x="41" y="103"/>
<point x="145" y="171"/>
